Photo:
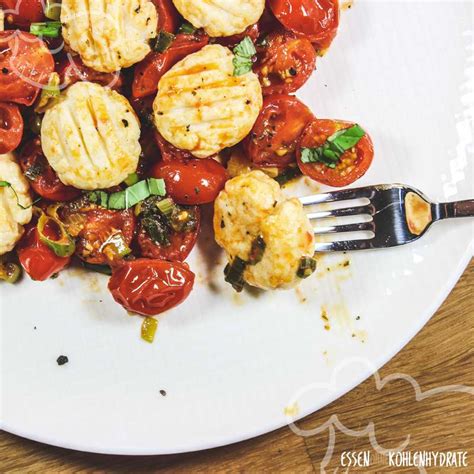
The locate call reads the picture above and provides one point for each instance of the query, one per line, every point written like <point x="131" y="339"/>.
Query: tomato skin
<point x="285" y="52"/>
<point x="22" y="12"/>
<point x="36" y="258"/>
<point x="278" y="127"/>
<point x="72" y="70"/>
<point x="252" y="31"/>
<point x="47" y="184"/>
<point x="168" y="151"/>
<point x="181" y="243"/>
<point x="11" y="127"/>
<point x="150" y="287"/>
<point x="149" y="72"/>
<point x="168" y="16"/>
<point x="191" y="181"/>
<point x="316" y="134"/>
<point x="316" y="20"/>
<point x="25" y="66"/>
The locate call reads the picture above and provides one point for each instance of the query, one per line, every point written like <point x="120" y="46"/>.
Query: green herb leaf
<point x="6" y="184"/>
<point x="117" y="201"/>
<point x="132" y="179"/>
<point x="243" y="57"/>
<point x="163" y="41"/>
<point x="156" y="186"/>
<point x="245" y="48"/>
<point x="48" y="29"/>
<point x="187" y="28"/>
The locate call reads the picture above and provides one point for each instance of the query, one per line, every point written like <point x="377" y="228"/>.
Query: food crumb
<point x="292" y="410"/>
<point x="34" y="328"/>
<point x="62" y="359"/>
<point x="357" y="318"/>
<point x="163" y="393"/>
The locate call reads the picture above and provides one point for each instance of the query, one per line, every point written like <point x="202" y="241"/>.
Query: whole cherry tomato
<point x="285" y="63"/>
<point x="274" y="137"/>
<point x="71" y="70"/>
<point x="352" y="165"/>
<point x="37" y="259"/>
<point x="22" y="13"/>
<point x="11" y="127"/>
<point x="143" y="107"/>
<point x="317" y="20"/>
<point x="25" y="67"/>
<point x="150" y="287"/>
<point x="168" y="16"/>
<point x="103" y="236"/>
<point x="191" y="181"/>
<point x="43" y="179"/>
<point x="149" y="72"/>
<point x="253" y="32"/>
<point x="168" y="151"/>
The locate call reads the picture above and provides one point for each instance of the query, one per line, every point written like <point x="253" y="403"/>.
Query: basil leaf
<point x="241" y="65"/>
<point x="156" y="186"/>
<point x="245" y="48"/>
<point x="163" y="41"/>
<point x="347" y="138"/>
<point x="117" y="201"/>
<point x="48" y="29"/>
<point x="243" y="57"/>
<point x="187" y="28"/>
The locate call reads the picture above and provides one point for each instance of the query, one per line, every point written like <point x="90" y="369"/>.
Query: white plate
<point x="231" y="364"/>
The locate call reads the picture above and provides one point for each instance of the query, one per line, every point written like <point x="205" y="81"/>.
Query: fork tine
<point x="350" y="211"/>
<point x="365" y="226"/>
<point x="343" y="246"/>
<point x="342" y="195"/>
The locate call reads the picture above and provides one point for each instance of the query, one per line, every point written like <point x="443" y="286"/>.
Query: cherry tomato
<point x="191" y="181"/>
<point x="317" y="20"/>
<point x="150" y="287"/>
<point x="274" y="137"/>
<point x="285" y="63"/>
<point x="37" y="259"/>
<point x="43" y="179"/>
<point x="352" y="165"/>
<point x="168" y="16"/>
<point x="143" y="107"/>
<point x="72" y="69"/>
<point x="22" y="13"/>
<point x="11" y="127"/>
<point x="168" y="151"/>
<point x="149" y="72"/>
<point x="25" y="66"/>
<point x="180" y="243"/>
<point x="253" y="32"/>
<point x="94" y="227"/>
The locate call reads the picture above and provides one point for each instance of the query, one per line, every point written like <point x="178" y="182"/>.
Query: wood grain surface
<point x="440" y="355"/>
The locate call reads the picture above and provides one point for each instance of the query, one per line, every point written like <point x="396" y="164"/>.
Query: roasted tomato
<point x="352" y="165"/>
<point x="11" y="127"/>
<point x="37" y="259"/>
<point x="317" y="20"/>
<point x="150" y="287"/>
<point x="253" y="32"/>
<point x="25" y="66"/>
<point x="143" y="107"/>
<point x="168" y="16"/>
<point x="274" y="137"/>
<point x="285" y="63"/>
<point x="149" y="72"/>
<point x="103" y="236"/>
<point x="43" y="179"/>
<point x="71" y="70"/>
<point x="168" y="151"/>
<point x="22" y="13"/>
<point x="169" y="235"/>
<point x="191" y="181"/>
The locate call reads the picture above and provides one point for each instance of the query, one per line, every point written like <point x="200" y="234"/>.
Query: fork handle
<point x="449" y="210"/>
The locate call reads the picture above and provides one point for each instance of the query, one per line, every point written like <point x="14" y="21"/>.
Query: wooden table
<point x="441" y="355"/>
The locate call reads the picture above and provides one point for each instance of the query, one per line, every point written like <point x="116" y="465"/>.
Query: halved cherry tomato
<point x="191" y="181"/>
<point x="168" y="151"/>
<point x="316" y="20"/>
<point x="11" y="127"/>
<point x="143" y="107"/>
<point x="71" y="70"/>
<point x="180" y="243"/>
<point x="352" y="165"/>
<point x="95" y="228"/>
<point x="274" y="137"/>
<point x="43" y="179"/>
<point x="285" y="63"/>
<point x="22" y="13"/>
<point x="150" y="287"/>
<point x="25" y="66"/>
<point x="37" y="259"/>
<point x="253" y="32"/>
<point x="149" y="72"/>
<point x="168" y="16"/>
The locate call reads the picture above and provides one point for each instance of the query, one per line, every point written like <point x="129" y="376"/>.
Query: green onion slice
<point x="336" y="145"/>
<point x="48" y="29"/>
<point x="148" y="330"/>
<point x="10" y="272"/>
<point x="132" y="179"/>
<point x="163" y="41"/>
<point x="187" y="28"/>
<point x="63" y="245"/>
<point x="166" y="206"/>
<point x="243" y="57"/>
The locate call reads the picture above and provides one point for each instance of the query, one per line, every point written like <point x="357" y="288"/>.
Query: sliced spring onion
<point x="163" y="41"/>
<point x="49" y="92"/>
<point x="257" y="250"/>
<point x="243" y="57"/>
<point x="64" y="245"/>
<point x="9" y="272"/>
<point x="48" y="29"/>
<point x="234" y="274"/>
<point x="187" y="28"/>
<point x="115" y="247"/>
<point x="307" y="267"/>
<point x="166" y="206"/>
<point x="336" y="145"/>
<point x="132" y="179"/>
<point x="148" y="330"/>
<point x="52" y="9"/>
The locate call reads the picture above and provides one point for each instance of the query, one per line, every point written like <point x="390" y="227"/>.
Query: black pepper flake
<point x="61" y="360"/>
<point x="222" y="224"/>
<point x="5" y="70"/>
<point x="197" y="190"/>
<point x="125" y="123"/>
<point x="163" y="393"/>
<point x="137" y="10"/>
<point x="357" y="318"/>
<point x="293" y="71"/>
<point x="248" y="102"/>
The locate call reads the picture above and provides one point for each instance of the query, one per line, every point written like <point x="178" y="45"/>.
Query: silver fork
<point x="394" y="215"/>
